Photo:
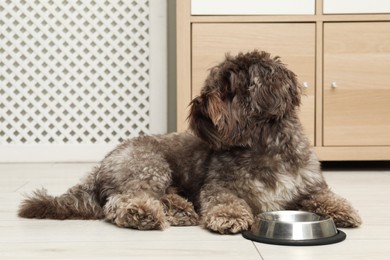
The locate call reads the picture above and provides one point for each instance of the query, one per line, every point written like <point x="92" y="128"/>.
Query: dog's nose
<point x="198" y="101"/>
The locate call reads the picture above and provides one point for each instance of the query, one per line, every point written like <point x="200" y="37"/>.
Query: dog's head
<point x="239" y="96"/>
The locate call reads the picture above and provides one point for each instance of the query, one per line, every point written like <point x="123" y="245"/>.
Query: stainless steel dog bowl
<point x="294" y="228"/>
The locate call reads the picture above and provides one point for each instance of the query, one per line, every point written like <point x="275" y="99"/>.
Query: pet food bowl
<point x="298" y="228"/>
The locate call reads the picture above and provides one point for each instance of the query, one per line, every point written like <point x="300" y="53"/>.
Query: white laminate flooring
<point x="367" y="189"/>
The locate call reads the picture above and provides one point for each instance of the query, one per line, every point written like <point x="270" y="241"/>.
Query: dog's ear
<point x="216" y="108"/>
<point x="274" y="89"/>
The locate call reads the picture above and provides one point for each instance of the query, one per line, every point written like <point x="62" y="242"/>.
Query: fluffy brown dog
<point x="248" y="155"/>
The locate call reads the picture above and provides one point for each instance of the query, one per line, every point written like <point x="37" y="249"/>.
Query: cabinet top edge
<point x="289" y="18"/>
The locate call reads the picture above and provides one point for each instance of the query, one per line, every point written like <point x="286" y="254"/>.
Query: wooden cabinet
<point x="342" y="59"/>
<point x="356" y="84"/>
<point x="211" y="41"/>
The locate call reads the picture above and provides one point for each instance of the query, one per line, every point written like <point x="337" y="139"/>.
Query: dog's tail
<point x="76" y="203"/>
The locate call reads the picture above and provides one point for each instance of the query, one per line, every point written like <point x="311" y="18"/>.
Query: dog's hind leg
<point x="139" y="212"/>
<point x="330" y="204"/>
<point x="136" y="203"/>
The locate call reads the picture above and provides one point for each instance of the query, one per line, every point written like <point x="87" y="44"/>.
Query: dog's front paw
<point x="139" y="213"/>
<point x="227" y="219"/>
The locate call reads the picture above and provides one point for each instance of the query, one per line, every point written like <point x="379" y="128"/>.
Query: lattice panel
<point x="73" y="72"/>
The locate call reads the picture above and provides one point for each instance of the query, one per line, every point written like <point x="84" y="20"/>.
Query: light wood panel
<point x="319" y="81"/>
<point x="183" y="62"/>
<point x="353" y="153"/>
<point x="293" y="42"/>
<point x="357" y="58"/>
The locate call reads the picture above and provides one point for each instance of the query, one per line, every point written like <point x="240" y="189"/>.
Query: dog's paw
<point x="179" y="211"/>
<point x="348" y="219"/>
<point x="139" y="213"/>
<point x="329" y="204"/>
<point x="227" y="219"/>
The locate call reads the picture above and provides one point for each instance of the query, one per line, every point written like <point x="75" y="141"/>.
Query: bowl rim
<point x="323" y="218"/>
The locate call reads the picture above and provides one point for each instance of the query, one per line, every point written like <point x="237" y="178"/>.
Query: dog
<point x="246" y="153"/>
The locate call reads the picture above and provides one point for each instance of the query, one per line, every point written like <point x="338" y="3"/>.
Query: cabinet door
<point x="357" y="107"/>
<point x="293" y="42"/>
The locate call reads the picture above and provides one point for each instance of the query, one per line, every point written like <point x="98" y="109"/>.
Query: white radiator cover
<point x="78" y="77"/>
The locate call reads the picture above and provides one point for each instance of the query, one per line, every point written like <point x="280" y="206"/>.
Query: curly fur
<point x="247" y="154"/>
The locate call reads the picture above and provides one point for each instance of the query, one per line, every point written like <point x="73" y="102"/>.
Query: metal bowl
<point x="294" y="228"/>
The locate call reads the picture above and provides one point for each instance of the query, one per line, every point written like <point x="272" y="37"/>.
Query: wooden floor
<point x="367" y="188"/>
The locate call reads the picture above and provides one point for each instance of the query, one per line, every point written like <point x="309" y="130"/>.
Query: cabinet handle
<point x="305" y="84"/>
<point x="333" y="84"/>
